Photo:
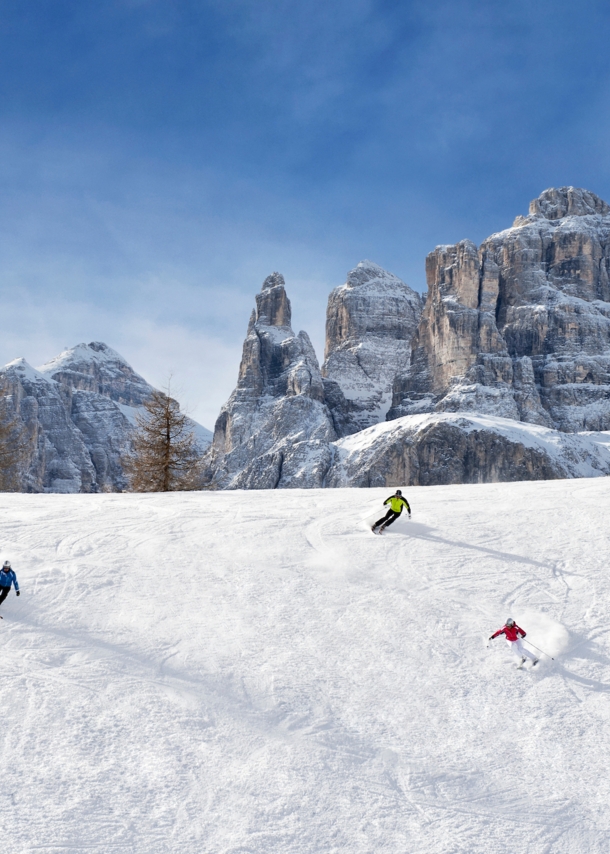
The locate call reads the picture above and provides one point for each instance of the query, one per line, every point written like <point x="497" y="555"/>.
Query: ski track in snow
<point x="241" y="672"/>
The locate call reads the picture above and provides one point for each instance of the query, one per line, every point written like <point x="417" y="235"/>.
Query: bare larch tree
<point x="165" y="455"/>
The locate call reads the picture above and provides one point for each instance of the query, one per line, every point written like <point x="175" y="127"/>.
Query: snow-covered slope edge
<point x="445" y="448"/>
<point x="300" y="686"/>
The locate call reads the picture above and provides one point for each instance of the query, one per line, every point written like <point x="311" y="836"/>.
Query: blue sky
<point x="158" y="159"/>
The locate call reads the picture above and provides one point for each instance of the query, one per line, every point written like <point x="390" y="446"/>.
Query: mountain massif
<point x="501" y="373"/>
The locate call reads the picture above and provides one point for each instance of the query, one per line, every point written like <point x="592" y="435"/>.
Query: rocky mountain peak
<point x="272" y="304"/>
<point x="78" y="412"/>
<point x="275" y="280"/>
<point x="98" y="368"/>
<point x="557" y="202"/>
<point x="275" y="428"/>
<point x="367" y="271"/>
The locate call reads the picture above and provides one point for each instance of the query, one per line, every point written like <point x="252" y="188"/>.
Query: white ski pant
<point x="519" y="650"/>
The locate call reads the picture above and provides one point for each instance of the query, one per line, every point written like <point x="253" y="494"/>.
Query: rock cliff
<point x="57" y="457"/>
<point x="275" y="429"/>
<point x="520" y="327"/>
<point x="370" y="322"/>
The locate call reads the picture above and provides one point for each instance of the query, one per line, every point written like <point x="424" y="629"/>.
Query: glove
<point x="409" y="515"/>
<point x="18" y="593"/>
<point x="491" y="638"/>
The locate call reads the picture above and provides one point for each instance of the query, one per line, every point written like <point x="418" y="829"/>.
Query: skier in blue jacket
<point x="7" y="578"/>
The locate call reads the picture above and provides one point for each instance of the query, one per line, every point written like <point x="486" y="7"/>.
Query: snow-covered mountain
<point x="302" y="686"/>
<point x="95" y="367"/>
<point x="517" y="331"/>
<point x="79" y="413"/>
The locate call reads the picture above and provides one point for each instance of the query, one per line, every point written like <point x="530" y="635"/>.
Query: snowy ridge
<point x="301" y="686"/>
<point x="26" y="371"/>
<point x="83" y="353"/>
<point x="529" y="435"/>
<point x="95" y="367"/>
<point x="463" y="447"/>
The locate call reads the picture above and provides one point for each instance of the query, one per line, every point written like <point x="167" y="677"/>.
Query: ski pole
<point x="539" y="650"/>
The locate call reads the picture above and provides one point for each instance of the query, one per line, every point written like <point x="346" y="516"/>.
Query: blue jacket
<point x="8" y="578"/>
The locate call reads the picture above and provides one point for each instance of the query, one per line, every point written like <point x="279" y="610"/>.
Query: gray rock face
<point x="370" y="322"/>
<point x="520" y="327"/>
<point x="79" y="413"/>
<point x="101" y="393"/>
<point x="58" y="459"/>
<point x="275" y="429"/>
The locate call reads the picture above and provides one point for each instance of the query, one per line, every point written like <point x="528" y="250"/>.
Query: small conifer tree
<point x="165" y="456"/>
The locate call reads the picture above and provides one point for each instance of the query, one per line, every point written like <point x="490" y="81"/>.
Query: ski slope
<point x="245" y="672"/>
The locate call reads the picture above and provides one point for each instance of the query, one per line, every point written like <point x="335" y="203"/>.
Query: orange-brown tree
<point x="165" y="456"/>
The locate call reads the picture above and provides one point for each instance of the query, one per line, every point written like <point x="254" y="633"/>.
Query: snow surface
<point x="256" y="672"/>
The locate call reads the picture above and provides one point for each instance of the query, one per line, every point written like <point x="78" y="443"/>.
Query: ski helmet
<point x="6" y="564"/>
<point x="399" y="492"/>
<point x="510" y="622"/>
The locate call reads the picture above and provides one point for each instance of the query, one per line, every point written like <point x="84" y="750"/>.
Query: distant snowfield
<point x="256" y="673"/>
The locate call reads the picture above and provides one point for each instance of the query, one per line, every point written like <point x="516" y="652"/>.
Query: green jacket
<point x="396" y="503"/>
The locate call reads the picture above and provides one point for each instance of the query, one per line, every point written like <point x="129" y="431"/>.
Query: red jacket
<point x="512" y="632"/>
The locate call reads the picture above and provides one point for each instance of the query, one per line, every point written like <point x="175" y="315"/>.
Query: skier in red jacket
<point x="513" y="634"/>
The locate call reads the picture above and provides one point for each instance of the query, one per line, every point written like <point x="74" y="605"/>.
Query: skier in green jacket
<point x="396" y="502"/>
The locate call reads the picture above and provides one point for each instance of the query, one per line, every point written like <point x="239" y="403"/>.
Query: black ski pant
<point x="390" y="516"/>
<point x="4" y="591"/>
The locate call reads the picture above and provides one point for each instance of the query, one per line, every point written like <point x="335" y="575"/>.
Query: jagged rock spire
<point x="276" y="420"/>
<point x="275" y="280"/>
<point x="272" y="304"/>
